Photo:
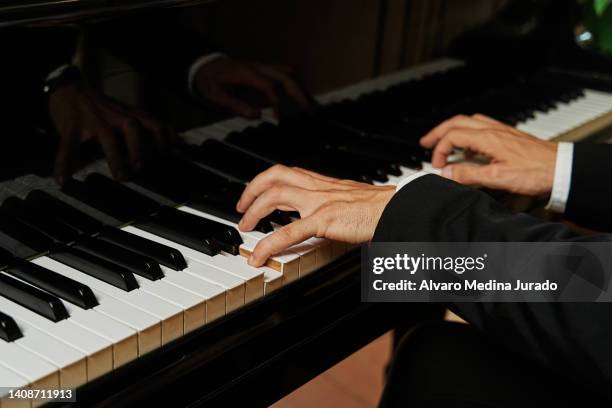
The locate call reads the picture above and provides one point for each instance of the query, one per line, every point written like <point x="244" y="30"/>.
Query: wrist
<point x="69" y="76"/>
<point x="196" y="70"/>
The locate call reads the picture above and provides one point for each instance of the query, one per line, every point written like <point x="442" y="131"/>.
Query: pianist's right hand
<point x="81" y="113"/>
<point x="518" y="162"/>
<point x="216" y="81"/>
<point x="341" y="210"/>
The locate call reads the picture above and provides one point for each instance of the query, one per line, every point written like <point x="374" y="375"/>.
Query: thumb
<point x="471" y="174"/>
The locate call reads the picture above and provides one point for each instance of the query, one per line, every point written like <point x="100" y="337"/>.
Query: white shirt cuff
<point x="199" y="63"/>
<point x="410" y="178"/>
<point x="563" y="177"/>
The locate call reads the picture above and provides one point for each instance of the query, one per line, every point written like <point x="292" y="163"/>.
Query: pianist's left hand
<point x="80" y="113"/>
<point x="341" y="210"/>
<point x="518" y="162"/>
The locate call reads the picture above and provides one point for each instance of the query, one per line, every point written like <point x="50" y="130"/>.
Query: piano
<point x="139" y="293"/>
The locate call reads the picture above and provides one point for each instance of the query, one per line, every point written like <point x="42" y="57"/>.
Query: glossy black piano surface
<point x="95" y="245"/>
<point x="13" y="13"/>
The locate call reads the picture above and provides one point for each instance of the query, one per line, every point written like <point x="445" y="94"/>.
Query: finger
<point x="280" y="197"/>
<point x="122" y="113"/>
<point x="325" y="182"/>
<point x="488" y="119"/>
<point x="132" y="132"/>
<point x="266" y="87"/>
<point x="459" y="121"/>
<point x="104" y="135"/>
<point x="161" y="133"/>
<point x="233" y="104"/>
<point x="283" y="238"/>
<point x="474" y="140"/>
<point x="290" y="87"/>
<point x="470" y="174"/>
<point x="277" y="174"/>
<point x="62" y="159"/>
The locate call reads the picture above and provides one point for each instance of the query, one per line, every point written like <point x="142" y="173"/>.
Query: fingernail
<point x="238" y="206"/>
<point x="447" y="172"/>
<point x="251" y="260"/>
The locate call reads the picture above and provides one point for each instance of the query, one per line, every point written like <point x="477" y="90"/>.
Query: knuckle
<point x="278" y="169"/>
<point x="285" y="233"/>
<point x="493" y="172"/>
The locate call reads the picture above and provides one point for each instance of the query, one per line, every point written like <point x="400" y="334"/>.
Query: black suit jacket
<point x="590" y="201"/>
<point x="575" y="338"/>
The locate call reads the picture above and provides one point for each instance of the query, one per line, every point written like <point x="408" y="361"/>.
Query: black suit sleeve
<point x="590" y="197"/>
<point x="573" y="337"/>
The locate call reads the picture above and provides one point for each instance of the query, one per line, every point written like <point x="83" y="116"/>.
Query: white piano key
<point x="123" y="337"/>
<point x="235" y="288"/>
<point x="148" y="326"/>
<point x="272" y="280"/>
<point x="10" y="380"/>
<point x="567" y="116"/>
<point x="213" y="295"/>
<point x="253" y="278"/>
<point x="39" y="373"/>
<point x="171" y="317"/>
<point x="287" y="262"/>
<point x="97" y="349"/>
<point x="72" y="363"/>
<point x="193" y="306"/>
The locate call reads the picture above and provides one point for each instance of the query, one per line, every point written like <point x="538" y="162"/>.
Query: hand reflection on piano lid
<point x="180" y="58"/>
<point x="50" y="94"/>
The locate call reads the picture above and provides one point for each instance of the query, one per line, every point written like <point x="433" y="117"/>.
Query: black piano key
<point x="227" y="238"/>
<point x="64" y="212"/>
<point x="25" y="234"/>
<point x="226" y="210"/>
<point x="99" y="268"/>
<point x="162" y="179"/>
<point x="282" y="217"/>
<point x="119" y="192"/>
<point x="229" y="159"/>
<point x="132" y="261"/>
<point x="184" y="236"/>
<point x="95" y="199"/>
<point x="54" y="283"/>
<point x="6" y="258"/>
<point x="32" y="298"/>
<point x="40" y="221"/>
<point x="221" y="202"/>
<point x="162" y="254"/>
<point x="9" y="331"/>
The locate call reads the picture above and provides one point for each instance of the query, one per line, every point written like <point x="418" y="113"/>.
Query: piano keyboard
<point x="115" y="271"/>
<point x="569" y="118"/>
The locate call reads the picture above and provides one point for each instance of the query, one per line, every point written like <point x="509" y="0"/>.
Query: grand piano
<point x="139" y="293"/>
